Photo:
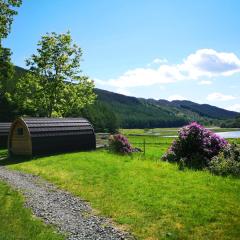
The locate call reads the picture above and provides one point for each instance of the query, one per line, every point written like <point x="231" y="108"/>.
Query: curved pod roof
<point x="48" y="135"/>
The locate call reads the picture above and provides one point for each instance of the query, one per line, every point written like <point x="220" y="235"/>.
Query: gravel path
<point x="69" y="214"/>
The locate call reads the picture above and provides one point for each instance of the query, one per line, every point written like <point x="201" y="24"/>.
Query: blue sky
<point x="172" y="49"/>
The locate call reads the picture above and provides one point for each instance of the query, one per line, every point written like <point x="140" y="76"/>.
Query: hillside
<point x="143" y="113"/>
<point x="132" y="112"/>
<point x="205" y="109"/>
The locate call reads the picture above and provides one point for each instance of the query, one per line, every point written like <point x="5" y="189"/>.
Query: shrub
<point x="227" y="162"/>
<point x="196" y="145"/>
<point x="119" y="144"/>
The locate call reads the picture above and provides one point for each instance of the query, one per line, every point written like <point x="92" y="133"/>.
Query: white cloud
<point x="203" y="63"/>
<point x="159" y="60"/>
<point x="234" y="107"/>
<point x="210" y="63"/>
<point x="146" y="77"/>
<point x="205" y="82"/>
<point x="216" y="96"/>
<point x="176" y="97"/>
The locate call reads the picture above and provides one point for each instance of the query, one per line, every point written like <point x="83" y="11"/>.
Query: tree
<point x="7" y="12"/>
<point x="53" y="85"/>
<point x="6" y="70"/>
<point x="103" y="119"/>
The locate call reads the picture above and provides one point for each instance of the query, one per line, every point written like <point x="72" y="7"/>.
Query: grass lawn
<point x="16" y="222"/>
<point x="152" y="199"/>
<point x="3" y="153"/>
<point x="156" y="146"/>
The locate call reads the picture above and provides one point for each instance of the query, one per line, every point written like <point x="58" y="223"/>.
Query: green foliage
<point x="133" y="112"/>
<point x="6" y="71"/>
<point x="232" y="123"/>
<point x="7" y="12"/>
<point x="112" y="111"/>
<point x="16" y="221"/>
<point x="103" y="119"/>
<point x="8" y="110"/>
<point x="6" y="78"/>
<point x="204" y="109"/>
<point x="53" y="85"/>
<point x="151" y="199"/>
<point x="227" y="162"/>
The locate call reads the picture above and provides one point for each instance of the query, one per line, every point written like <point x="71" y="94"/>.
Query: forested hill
<point x="203" y="109"/>
<point x="143" y="113"/>
<point x="113" y="110"/>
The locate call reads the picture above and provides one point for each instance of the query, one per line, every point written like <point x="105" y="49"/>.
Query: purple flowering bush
<point x="120" y="144"/>
<point x="195" y="146"/>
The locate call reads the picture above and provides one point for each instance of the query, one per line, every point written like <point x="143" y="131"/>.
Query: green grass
<point x="3" y="153"/>
<point x="152" y="199"/>
<point x="16" y="222"/>
<point x="234" y="140"/>
<point x="155" y="146"/>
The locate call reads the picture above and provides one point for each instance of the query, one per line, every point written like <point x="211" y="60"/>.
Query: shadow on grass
<point x="6" y="159"/>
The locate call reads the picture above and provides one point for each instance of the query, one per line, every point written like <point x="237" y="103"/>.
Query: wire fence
<point x="144" y="145"/>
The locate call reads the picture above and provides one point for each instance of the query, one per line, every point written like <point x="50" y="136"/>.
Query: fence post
<point x="144" y="147"/>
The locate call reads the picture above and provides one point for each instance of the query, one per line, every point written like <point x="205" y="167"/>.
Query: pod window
<point x="20" y="131"/>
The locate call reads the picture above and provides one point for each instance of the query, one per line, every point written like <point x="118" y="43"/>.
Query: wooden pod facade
<point x="4" y="131"/>
<point x="34" y="136"/>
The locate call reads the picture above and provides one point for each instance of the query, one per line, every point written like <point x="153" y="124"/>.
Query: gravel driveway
<point x="68" y="214"/>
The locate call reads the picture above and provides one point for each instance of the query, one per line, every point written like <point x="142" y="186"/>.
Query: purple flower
<point x="195" y="141"/>
<point x="120" y="144"/>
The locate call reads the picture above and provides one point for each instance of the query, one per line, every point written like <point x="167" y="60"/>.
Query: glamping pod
<point x="34" y="136"/>
<point x="4" y="130"/>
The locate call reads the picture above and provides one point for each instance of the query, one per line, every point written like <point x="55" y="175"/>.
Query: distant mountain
<point x="132" y="112"/>
<point x="145" y="113"/>
<point x="204" y="110"/>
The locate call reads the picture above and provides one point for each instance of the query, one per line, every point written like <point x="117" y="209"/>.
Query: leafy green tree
<point x="103" y="119"/>
<point x="53" y="86"/>
<point x="6" y="71"/>
<point x="7" y="12"/>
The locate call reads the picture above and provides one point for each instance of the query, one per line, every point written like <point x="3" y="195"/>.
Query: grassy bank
<point x="16" y="222"/>
<point x="154" y="200"/>
<point x="156" y="146"/>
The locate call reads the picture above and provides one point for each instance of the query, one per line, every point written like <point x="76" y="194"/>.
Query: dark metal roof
<point x="4" y="129"/>
<point x="43" y="127"/>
